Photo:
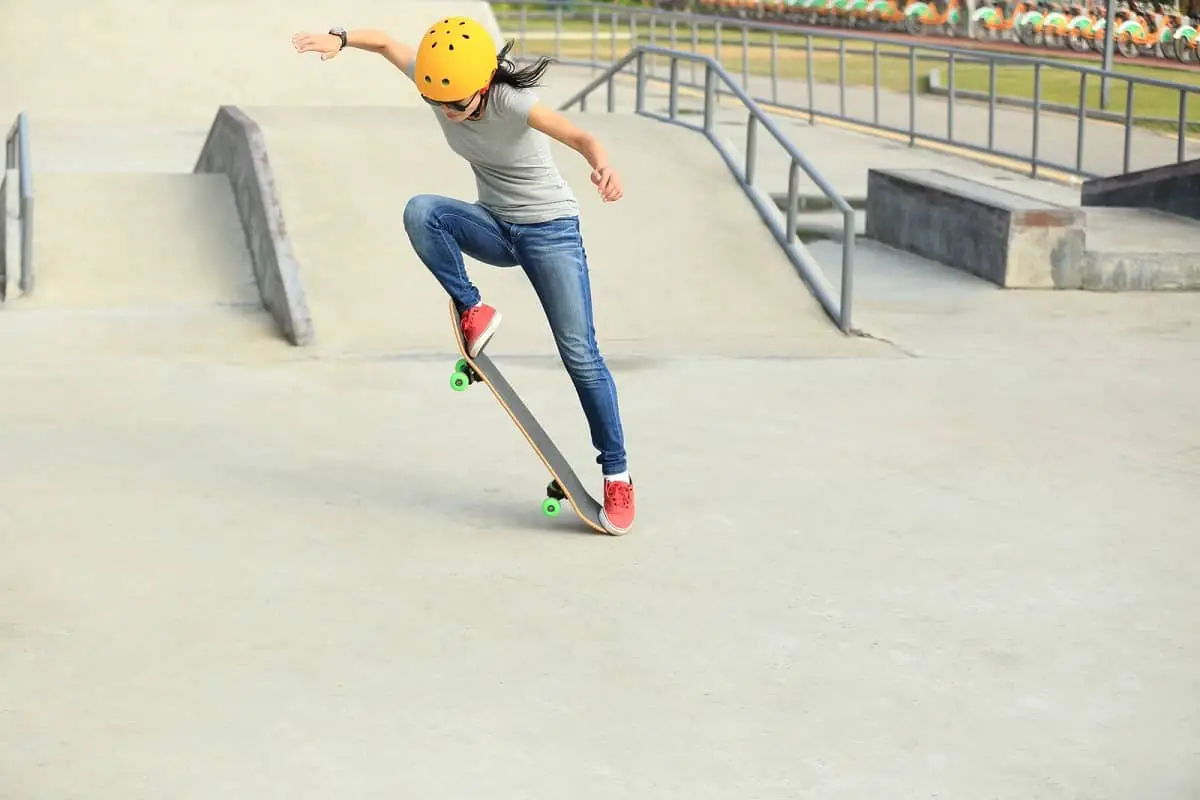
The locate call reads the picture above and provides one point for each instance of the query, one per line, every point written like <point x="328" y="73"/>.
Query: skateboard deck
<point x="565" y="484"/>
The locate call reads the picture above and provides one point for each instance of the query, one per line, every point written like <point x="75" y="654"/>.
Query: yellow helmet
<point x="456" y="58"/>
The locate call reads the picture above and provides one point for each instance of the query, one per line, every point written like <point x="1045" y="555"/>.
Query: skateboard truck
<point x="464" y="375"/>
<point x="554" y="497"/>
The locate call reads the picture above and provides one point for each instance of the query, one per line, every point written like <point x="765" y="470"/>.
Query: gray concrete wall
<point x="237" y="147"/>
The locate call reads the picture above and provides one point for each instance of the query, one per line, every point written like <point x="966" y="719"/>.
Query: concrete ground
<point x="958" y="560"/>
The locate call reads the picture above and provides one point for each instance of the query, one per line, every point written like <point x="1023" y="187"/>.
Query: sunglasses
<point x="461" y="105"/>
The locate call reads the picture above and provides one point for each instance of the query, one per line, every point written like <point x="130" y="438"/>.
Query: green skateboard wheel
<point x="461" y="365"/>
<point x="459" y="381"/>
<point x="551" y="507"/>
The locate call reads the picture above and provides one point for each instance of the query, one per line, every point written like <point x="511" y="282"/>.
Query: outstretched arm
<point x="560" y="128"/>
<point x="329" y="45"/>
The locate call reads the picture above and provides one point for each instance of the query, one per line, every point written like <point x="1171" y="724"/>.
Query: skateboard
<point x="565" y="484"/>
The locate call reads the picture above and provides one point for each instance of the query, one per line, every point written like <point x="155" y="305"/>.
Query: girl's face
<point x="463" y="109"/>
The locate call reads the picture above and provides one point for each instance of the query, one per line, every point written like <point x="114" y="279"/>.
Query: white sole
<point x="613" y="529"/>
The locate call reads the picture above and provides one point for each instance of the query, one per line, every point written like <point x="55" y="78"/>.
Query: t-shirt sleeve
<point x="515" y="103"/>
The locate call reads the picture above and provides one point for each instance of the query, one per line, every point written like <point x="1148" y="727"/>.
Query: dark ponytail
<point x="524" y="78"/>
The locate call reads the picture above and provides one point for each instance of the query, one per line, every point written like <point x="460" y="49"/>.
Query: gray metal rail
<point x="838" y="309"/>
<point x="16" y="154"/>
<point x="801" y="46"/>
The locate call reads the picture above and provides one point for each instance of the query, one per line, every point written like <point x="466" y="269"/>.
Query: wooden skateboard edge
<point x="462" y="349"/>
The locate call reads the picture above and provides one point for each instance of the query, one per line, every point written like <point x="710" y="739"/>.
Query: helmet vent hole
<point x="466" y="36"/>
<point x="433" y="45"/>
<point x="451" y="46"/>
<point x="445" y="81"/>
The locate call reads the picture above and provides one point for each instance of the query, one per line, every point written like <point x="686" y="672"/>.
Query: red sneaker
<point x="478" y="325"/>
<point x="617" y="516"/>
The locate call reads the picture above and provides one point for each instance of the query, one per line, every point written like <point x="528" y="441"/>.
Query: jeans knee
<point x="420" y="214"/>
<point x="582" y="361"/>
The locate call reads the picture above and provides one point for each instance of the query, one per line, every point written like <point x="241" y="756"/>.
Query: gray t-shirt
<point x="514" y="168"/>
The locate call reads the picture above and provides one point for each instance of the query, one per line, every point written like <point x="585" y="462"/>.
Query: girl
<point x="526" y="213"/>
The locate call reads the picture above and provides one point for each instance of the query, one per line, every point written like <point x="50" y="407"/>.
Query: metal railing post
<point x="1082" y="126"/>
<point x="950" y="100"/>
<point x="793" y="203"/>
<point x="1128" y="126"/>
<point x="1037" y="118"/>
<point x="640" y="102"/>
<point x="695" y="46"/>
<point x="709" y="100"/>
<point x="612" y="37"/>
<point x="912" y="95"/>
<point x="522" y="28"/>
<point x="842" y="78"/>
<point x="595" y="38"/>
<point x="1181" y="142"/>
<point x="673" y="96"/>
<point x="558" y="25"/>
<point x="875" y="83"/>
<point x="849" y="240"/>
<point x="751" y="147"/>
<point x="774" y="66"/>
<point x="991" y="106"/>
<point x="812" y="117"/>
<point x="745" y="58"/>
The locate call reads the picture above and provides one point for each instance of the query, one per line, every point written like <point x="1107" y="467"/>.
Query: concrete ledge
<point x="1174" y="188"/>
<point x="1134" y="272"/>
<point x="1010" y="239"/>
<point x="236" y="146"/>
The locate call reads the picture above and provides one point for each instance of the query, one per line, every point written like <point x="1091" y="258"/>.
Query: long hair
<point x="524" y="78"/>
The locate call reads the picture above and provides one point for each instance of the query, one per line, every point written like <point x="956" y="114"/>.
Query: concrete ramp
<point x="153" y="262"/>
<point x="681" y="266"/>
<point x="125" y="241"/>
<point x="177" y="60"/>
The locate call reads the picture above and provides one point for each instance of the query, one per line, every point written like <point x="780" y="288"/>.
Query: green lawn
<point x="1058" y="86"/>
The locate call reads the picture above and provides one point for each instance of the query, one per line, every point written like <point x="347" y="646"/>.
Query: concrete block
<point x="1174" y="188"/>
<point x="1011" y="239"/>
<point x="236" y="146"/>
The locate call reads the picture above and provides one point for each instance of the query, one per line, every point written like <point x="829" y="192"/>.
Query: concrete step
<point x="1141" y="249"/>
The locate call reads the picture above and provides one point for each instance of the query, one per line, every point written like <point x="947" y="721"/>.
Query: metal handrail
<point x="839" y="310"/>
<point x="1033" y="156"/>
<point x="838" y="33"/>
<point x="16" y="153"/>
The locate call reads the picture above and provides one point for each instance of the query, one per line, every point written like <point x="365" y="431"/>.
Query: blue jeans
<point x="551" y="253"/>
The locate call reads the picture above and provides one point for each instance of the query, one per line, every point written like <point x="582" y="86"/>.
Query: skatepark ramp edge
<point x="837" y="309"/>
<point x="16" y="199"/>
<point x="236" y="146"/>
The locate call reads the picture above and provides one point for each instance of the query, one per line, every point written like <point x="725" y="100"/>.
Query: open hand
<point x="608" y="184"/>
<point x="326" y="44"/>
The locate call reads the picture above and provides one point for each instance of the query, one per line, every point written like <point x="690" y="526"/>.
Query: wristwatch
<point x="341" y="34"/>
